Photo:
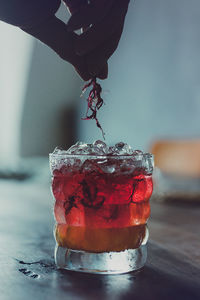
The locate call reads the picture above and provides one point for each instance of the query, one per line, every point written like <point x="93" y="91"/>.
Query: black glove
<point x="53" y="32"/>
<point x="102" y="22"/>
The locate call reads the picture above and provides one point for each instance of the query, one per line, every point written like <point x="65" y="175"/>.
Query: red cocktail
<point x="102" y="202"/>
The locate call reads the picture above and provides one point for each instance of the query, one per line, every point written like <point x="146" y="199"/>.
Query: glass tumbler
<point x="101" y="210"/>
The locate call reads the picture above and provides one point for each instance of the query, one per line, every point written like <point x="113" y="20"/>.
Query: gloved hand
<point x="53" y="32"/>
<point x="102" y="24"/>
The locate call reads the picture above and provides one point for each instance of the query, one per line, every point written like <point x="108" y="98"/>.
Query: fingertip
<point x="104" y="73"/>
<point x="102" y="76"/>
<point x="85" y="76"/>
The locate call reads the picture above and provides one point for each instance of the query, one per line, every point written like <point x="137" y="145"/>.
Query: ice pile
<point x="108" y="159"/>
<point x="98" y="148"/>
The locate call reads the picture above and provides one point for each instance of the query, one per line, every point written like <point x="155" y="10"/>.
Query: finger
<point x="89" y="14"/>
<point x="97" y="58"/>
<point x="103" y="74"/>
<point x="67" y="52"/>
<point x="97" y="34"/>
<point x="82" y="69"/>
<point x="54" y="34"/>
<point x="106" y="50"/>
<point x="79" y="63"/>
<point x="75" y="5"/>
<point x="85" y="76"/>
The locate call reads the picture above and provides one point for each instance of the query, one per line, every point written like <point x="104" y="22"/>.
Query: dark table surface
<point x="27" y="269"/>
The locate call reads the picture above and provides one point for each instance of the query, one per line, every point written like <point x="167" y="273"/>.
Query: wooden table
<point x="27" y="244"/>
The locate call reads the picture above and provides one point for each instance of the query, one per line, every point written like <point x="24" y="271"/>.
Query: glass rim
<point x="130" y="156"/>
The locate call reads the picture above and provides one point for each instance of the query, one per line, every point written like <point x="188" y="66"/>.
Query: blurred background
<point x="152" y="93"/>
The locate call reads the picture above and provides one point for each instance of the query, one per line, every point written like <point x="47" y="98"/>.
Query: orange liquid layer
<point x="99" y="239"/>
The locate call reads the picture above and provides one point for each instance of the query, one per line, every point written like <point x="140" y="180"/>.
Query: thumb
<point x="92" y="13"/>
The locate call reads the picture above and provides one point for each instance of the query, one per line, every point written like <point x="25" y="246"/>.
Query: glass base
<point x="101" y="263"/>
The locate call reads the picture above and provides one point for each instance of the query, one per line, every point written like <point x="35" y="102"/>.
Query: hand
<point x="102" y="24"/>
<point x="53" y="32"/>
<point x="89" y="52"/>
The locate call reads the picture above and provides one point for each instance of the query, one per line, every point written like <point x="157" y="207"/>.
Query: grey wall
<point x="153" y="89"/>
<point x="52" y="93"/>
<point x="15" y="53"/>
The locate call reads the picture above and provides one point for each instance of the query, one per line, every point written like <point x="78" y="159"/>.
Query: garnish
<point x="94" y="101"/>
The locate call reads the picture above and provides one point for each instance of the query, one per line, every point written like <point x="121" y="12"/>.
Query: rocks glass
<point x="101" y="210"/>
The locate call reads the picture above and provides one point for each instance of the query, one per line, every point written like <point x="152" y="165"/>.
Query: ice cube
<point x="148" y="162"/>
<point x="73" y="149"/>
<point x="108" y="169"/>
<point x="126" y="166"/>
<point x="91" y="165"/>
<point x="58" y="151"/>
<point x="100" y="148"/>
<point x="111" y="150"/>
<point x="108" y="166"/>
<point x="80" y="148"/>
<point x="75" y="164"/>
<point x="138" y="155"/>
<point x="121" y="149"/>
<point x="137" y="152"/>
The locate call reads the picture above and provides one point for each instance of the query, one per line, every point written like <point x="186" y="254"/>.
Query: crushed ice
<point x="98" y="148"/>
<point x="106" y="163"/>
